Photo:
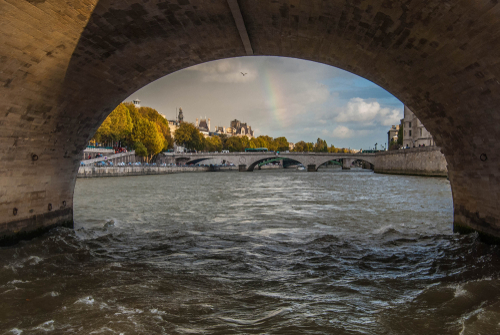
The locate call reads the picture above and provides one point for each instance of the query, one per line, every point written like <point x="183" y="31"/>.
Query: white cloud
<point x="359" y="110"/>
<point x="344" y="132"/>
<point x="225" y="71"/>
<point x="392" y="117"/>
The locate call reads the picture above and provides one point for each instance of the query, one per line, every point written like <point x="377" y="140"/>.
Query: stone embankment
<point x="122" y="171"/>
<point x="423" y="161"/>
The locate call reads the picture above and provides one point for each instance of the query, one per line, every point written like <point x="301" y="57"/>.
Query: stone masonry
<point x="423" y="161"/>
<point x="66" y="64"/>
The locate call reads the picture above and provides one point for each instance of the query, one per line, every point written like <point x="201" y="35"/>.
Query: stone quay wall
<point x="423" y="161"/>
<point x="122" y="171"/>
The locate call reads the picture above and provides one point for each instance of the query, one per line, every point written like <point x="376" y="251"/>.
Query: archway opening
<point x="262" y="269"/>
<point x="345" y="109"/>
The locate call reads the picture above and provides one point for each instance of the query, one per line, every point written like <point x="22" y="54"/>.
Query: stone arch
<point x="58" y="88"/>
<point x="197" y="160"/>
<point x="326" y="160"/>
<point x="252" y="165"/>
<point x="320" y="160"/>
<point x="302" y="159"/>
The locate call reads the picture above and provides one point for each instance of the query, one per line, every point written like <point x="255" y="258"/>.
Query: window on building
<point x="420" y="131"/>
<point x="409" y="124"/>
<point x="409" y="132"/>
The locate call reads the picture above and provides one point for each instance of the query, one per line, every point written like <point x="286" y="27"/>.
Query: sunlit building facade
<point x="414" y="132"/>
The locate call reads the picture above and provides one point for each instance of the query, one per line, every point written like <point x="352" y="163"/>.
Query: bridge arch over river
<point x="66" y="64"/>
<point x="248" y="161"/>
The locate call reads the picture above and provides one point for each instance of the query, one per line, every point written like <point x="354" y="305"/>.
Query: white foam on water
<point x="156" y="311"/>
<point x="46" y="326"/>
<point x="459" y="291"/>
<point x="16" y="331"/>
<point x="17" y="281"/>
<point x="86" y="300"/>
<point x="14" y="289"/>
<point x="34" y="260"/>
<point x="125" y="310"/>
<point x="384" y="229"/>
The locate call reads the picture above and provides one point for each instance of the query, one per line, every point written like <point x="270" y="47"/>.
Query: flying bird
<point x="243" y="73"/>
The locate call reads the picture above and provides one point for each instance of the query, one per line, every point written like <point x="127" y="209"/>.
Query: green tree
<point x="281" y="144"/>
<point x="246" y="143"/>
<point x="134" y="112"/>
<point x="213" y="143"/>
<point x="121" y="123"/>
<point x="321" y="146"/>
<point x="169" y="142"/>
<point x="189" y="136"/>
<point x="152" y="115"/>
<point x="104" y="132"/>
<point x="332" y="149"/>
<point x="300" y="147"/>
<point x="234" y="144"/>
<point x="130" y="125"/>
<point x="304" y="147"/>
<point x="149" y="135"/>
<point x="266" y="142"/>
<point x="223" y="138"/>
<point x="140" y="149"/>
<point x="116" y="127"/>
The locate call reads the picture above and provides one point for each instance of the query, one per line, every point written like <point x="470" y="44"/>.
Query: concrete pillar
<point x="311" y="168"/>
<point x="242" y="168"/>
<point x="346" y="163"/>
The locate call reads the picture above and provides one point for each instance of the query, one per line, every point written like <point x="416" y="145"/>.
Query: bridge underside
<point x="66" y="64"/>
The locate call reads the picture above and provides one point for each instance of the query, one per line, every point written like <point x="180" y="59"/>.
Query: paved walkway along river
<point x="268" y="252"/>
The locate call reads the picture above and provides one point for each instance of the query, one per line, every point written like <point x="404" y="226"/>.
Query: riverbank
<point x="122" y="171"/>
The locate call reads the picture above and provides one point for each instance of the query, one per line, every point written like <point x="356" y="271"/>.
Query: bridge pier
<point x="346" y="163"/>
<point x="311" y="168"/>
<point x="242" y="168"/>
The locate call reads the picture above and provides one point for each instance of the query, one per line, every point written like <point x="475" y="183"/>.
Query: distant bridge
<point x="247" y="161"/>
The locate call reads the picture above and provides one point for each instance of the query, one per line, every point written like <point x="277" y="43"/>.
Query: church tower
<point x="180" y="118"/>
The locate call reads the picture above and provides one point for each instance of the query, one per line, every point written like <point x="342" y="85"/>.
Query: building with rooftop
<point x="239" y="128"/>
<point x="392" y="134"/>
<point x="414" y="132"/>
<point x="203" y="126"/>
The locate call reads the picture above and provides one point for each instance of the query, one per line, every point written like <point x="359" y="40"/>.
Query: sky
<point x="298" y="99"/>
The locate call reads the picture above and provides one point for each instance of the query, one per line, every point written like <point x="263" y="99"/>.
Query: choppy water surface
<point x="254" y="253"/>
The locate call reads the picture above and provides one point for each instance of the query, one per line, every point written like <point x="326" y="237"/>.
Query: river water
<point x="268" y="252"/>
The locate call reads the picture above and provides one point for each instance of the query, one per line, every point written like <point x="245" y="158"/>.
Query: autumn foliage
<point x="142" y="129"/>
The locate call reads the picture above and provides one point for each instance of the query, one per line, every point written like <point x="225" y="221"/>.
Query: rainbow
<point x="274" y="97"/>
